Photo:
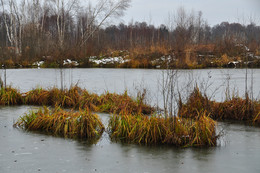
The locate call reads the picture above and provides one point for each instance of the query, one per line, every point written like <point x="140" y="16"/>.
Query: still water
<point x="213" y="81"/>
<point x="238" y="150"/>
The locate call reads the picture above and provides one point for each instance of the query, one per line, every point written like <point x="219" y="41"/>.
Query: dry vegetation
<point x="10" y="96"/>
<point x="76" y="97"/>
<point x="128" y="123"/>
<point x="82" y="124"/>
<point x="236" y="108"/>
<point x="30" y="33"/>
<point x="175" y="131"/>
<point x="194" y="125"/>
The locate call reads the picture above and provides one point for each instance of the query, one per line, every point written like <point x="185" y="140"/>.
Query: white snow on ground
<point x="108" y="60"/>
<point x="167" y="58"/>
<point x="234" y="63"/>
<point x="68" y="62"/>
<point x="38" y="63"/>
<point x="65" y="62"/>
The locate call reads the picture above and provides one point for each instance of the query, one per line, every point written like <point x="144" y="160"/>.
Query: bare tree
<point x="100" y="13"/>
<point x="13" y="24"/>
<point x="63" y="10"/>
<point x="183" y="34"/>
<point x="169" y="93"/>
<point x="13" y="21"/>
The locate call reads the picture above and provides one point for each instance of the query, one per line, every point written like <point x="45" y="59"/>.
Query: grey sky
<point x="214" y="11"/>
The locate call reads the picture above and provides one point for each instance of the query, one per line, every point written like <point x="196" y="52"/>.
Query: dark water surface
<point x="20" y="151"/>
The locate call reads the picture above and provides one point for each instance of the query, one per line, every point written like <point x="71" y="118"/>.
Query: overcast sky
<point x="214" y="11"/>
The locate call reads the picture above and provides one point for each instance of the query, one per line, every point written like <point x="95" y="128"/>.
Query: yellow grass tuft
<point x="10" y="96"/>
<point x="158" y="130"/>
<point x="82" y="124"/>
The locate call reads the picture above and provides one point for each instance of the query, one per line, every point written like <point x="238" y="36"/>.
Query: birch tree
<point x="63" y="9"/>
<point x="13" y="23"/>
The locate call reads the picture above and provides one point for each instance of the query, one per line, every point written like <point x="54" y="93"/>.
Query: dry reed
<point x="158" y="130"/>
<point x="236" y="108"/>
<point x="81" y="125"/>
<point x="10" y="96"/>
<point x="80" y="98"/>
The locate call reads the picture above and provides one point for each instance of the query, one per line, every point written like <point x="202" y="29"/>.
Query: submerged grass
<point x="81" y="125"/>
<point x="158" y="130"/>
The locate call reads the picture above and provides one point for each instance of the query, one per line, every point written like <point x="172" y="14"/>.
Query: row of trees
<point x="184" y="31"/>
<point x="61" y="29"/>
<point x="35" y="28"/>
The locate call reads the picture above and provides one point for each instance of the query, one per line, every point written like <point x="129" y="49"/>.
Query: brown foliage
<point x="237" y="108"/>
<point x="153" y="130"/>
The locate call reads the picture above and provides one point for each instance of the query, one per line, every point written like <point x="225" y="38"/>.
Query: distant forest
<point x="53" y="31"/>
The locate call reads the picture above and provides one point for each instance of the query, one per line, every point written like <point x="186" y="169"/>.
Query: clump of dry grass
<point x="115" y="103"/>
<point x="197" y="102"/>
<point x="82" y="124"/>
<point x="234" y="109"/>
<point x="239" y="109"/>
<point x="152" y="130"/>
<point x="90" y="101"/>
<point x="10" y="96"/>
<point x="65" y="98"/>
<point x="256" y="120"/>
<point x="54" y="96"/>
<point x="76" y="97"/>
<point x="37" y="96"/>
<point x="72" y="97"/>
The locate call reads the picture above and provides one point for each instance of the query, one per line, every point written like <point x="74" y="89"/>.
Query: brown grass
<point x="238" y="109"/>
<point x="158" y="130"/>
<point x="71" y="124"/>
<point x="37" y="96"/>
<point x="115" y="103"/>
<point x="197" y="102"/>
<point x="80" y="98"/>
<point x="10" y="96"/>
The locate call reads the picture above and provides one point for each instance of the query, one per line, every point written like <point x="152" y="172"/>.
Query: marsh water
<point x="20" y="151"/>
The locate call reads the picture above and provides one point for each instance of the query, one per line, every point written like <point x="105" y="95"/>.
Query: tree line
<point x="60" y="29"/>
